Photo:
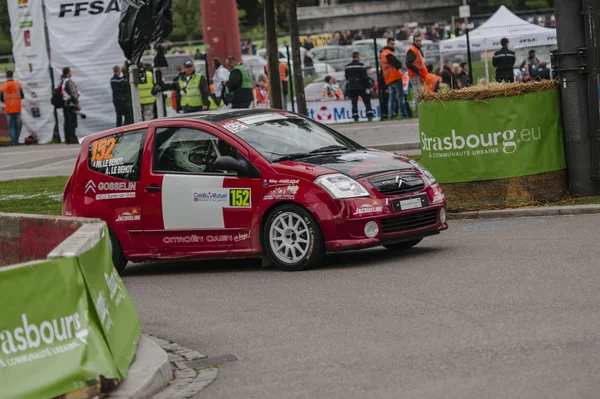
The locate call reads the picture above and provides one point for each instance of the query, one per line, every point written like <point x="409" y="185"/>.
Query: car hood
<point x="355" y="164"/>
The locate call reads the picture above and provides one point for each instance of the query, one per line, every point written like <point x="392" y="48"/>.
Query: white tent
<point x="502" y="24"/>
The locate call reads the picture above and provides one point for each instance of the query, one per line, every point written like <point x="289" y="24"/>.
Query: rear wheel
<point x="402" y="246"/>
<point x="118" y="257"/>
<point x="293" y="238"/>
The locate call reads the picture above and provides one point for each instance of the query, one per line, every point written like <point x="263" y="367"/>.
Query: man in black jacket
<point x="120" y="94"/>
<point x="504" y="61"/>
<point x="358" y="85"/>
<point x="447" y="74"/>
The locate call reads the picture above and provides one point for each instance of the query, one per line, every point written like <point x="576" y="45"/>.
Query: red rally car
<point x="248" y="183"/>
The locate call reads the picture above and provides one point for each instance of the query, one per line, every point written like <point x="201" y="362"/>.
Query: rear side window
<point x="119" y="155"/>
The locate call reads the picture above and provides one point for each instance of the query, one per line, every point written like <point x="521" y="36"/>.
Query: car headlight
<point x="425" y="172"/>
<point x="341" y="186"/>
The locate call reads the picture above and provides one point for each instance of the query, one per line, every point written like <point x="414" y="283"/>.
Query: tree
<point x="297" y="80"/>
<point x="187" y="21"/>
<point x="5" y="37"/>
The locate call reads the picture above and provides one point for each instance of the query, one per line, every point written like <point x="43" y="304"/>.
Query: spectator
<point x="239" y="85"/>
<point x="71" y="98"/>
<point x="542" y="72"/>
<point x="260" y="91"/>
<point x="464" y="75"/>
<point x="456" y="77"/>
<point x="447" y="74"/>
<point x="118" y="85"/>
<point x="531" y="62"/>
<point x="345" y="40"/>
<point x="330" y="92"/>
<point x="525" y="76"/>
<point x="417" y="70"/>
<point x="308" y="43"/>
<point x="198" y="55"/>
<point x="251" y="47"/>
<point x="504" y="61"/>
<point x="358" y="85"/>
<point x="374" y="33"/>
<point x="403" y="33"/>
<point x="335" y="40"/>
<point x="11" y="94"/>
<point x="434" y="35"/>
<point x="388" y="33"/>
<point x="309" y="66"/>
<point x="406" y="87"/>
<point x="373" y="86"/>
<point x="392" y="74"/>
<point x="359" y="35"/>
<point x="220" y="78"/>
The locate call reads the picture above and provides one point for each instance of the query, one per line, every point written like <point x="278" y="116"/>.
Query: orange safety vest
<point x="405" y="82"/>
<point x="338" y="93"/>
<point x="431" y="82"/>
<point x="12" y="97"/>
<point x="174" y="99"/>
<point x="212" y="88"/>
<point x="419" y="63"/>
<point x="283" y="72"/>
<point x="260" y="97"/>
<point x="390" y="74"/>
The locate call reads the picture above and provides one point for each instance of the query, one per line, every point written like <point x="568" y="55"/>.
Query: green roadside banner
<point x="464" y="141"/>
<point x="53" y="330"/>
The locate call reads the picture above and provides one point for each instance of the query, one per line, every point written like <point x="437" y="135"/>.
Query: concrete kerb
<point x="528" y="212"/>
<point x="149" y="374"/>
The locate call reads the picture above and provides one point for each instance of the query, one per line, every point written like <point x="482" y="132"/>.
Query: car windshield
<point x="279" y="138"/>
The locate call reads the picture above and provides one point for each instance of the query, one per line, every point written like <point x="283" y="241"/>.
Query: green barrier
<point x="64" y="322"/>
<point x="463" y="141"/>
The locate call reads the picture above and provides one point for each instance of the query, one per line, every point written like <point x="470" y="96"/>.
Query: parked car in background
<point x="339" y="56"/>
<point x="314" y="90"/>
<point x="255" y="65"/>
<point x="173" y="60"/>
<point x="319" y="68"/>
<point x="282" y="52"/>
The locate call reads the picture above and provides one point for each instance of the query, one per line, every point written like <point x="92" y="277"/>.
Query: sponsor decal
<point x="456" y="145"/>
<point x="116" y="293"/>
<point x="191" y="239"/>
<point x="274" y="182"/>
<point x="374" y="207"/>
<point x="102" y="149"/>
<point x="114" y="166"/>
<point x="228" y="237"/>
<point x="323" y="114"/>
<point x="225" y="197"/>
<point x="235" y="127"/>
<point x="249" y="120"/>
<point x="283" y="193"/>
<point x="356" y="156"/>
<point x="129" y="216"/>
<point x="95" y="7"/>
<point x="124" y="189"/>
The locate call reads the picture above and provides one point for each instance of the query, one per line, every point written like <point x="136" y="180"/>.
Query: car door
<point x="189" y="206"/>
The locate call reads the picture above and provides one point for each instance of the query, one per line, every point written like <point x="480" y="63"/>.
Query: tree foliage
<point x="187" y="20"/>
<point x="5" y="38"/>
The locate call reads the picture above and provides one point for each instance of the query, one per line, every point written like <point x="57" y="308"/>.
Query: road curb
<point x="528" y="212"/>
<point x="149" y="373"/>
<point x="396" y="147"/>
<point x="188" y="381"/>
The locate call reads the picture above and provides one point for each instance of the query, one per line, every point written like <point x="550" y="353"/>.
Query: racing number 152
<point x="239" y="198"/>
<point x="102" y="149"/>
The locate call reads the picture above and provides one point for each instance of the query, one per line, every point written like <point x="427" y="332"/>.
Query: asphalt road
<point x="59" y="160"/>
<point x="501" y="310"/>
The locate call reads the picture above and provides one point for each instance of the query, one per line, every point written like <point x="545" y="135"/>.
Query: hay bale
<point x="532" y="190"/>
<point x="489" y="91"/>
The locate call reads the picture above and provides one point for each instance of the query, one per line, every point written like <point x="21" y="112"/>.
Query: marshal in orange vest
<point x="419" y="63"/>
<point x="431" y="82"/>
<point x="11" y="91"/>
<point x="390" y="74"/>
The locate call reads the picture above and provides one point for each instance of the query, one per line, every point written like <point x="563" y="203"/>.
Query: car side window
<point x="118" y="155"/>
<point x="188" y="150"/>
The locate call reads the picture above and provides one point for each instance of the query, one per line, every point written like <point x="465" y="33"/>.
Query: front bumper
<point x="393" y="228"/>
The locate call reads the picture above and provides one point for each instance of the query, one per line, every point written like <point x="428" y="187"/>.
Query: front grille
<point x="412" y="221"/>
<point x="390" y="184"/>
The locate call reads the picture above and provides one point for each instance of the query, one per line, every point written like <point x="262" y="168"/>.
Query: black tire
<point x="118" y="257"/>
<point x="403" y="246"/>
<point x="314" y="247"/>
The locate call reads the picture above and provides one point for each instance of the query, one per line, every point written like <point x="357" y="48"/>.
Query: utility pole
<point x="469" y="58"/>
<point x="297" y="77"/>
<point x="569" y="62"/>
<point x="273" y="55"/>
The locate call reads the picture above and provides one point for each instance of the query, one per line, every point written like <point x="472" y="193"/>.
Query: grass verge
<point x="42" y="196"/>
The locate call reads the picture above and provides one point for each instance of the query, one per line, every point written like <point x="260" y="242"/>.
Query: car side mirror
<point x="229" y="164"/>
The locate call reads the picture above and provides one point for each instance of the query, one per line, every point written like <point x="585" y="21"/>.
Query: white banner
<point x="84" y="37"/>
<point x="330" y="112"/>
<point x="32" y="67"/>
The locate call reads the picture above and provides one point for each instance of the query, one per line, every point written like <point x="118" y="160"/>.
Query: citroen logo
<point x="90" y="186"/>
<point x="399" y="181"/>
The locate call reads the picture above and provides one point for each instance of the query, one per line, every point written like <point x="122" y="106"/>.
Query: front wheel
<point x="402" y="246"/>
<point x="118" y="257"/>
<point x="293" y="238"/>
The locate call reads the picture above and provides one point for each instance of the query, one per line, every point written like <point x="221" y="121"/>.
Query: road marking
<point x="498" y="224"/>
